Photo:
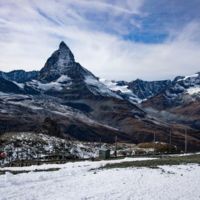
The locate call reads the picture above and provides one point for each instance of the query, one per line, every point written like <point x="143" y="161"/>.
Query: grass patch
<point x="157" y="162"/>
<point x="159" y="147"/>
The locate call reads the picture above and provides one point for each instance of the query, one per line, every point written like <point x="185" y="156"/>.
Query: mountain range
<point x="65" y="99"/>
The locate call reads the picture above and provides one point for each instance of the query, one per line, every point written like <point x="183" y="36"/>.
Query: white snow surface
<point x="112" y="85"/>
<point x="54" y="85"/>
<point x="99" y="88"/>
<point x="193" y="90"/>
<point x="20" y="85"/>
<point x="95" y="164"/>
<point x="47" y="86"/>
<point x="76" y="181"/>
<point x="63" y="78"/>
<point x="190" y="76"/>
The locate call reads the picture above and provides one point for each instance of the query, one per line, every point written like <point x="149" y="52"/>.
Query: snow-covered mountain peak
<point x="63" y="45"/>
<point x="65" y="53"/>
<point x="189" y="78"/>
<point x="62" y="74"/>
<point x="58" y="64"/>
<point x="180" y="84"/>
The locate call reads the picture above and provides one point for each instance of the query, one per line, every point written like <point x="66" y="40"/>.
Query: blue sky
<point x="115" y="39"/>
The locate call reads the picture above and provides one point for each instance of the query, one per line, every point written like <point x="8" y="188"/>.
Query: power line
<point x="116" y="146"/>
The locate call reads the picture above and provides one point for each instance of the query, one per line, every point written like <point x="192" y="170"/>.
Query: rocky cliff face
<point x="138" y="90"/>
<point x="146" y="89"/>
<point x="179" y="103"/>
<point x="183" y="90"/>
<point x="60" y="63"/>
<point x="19" y="76"/>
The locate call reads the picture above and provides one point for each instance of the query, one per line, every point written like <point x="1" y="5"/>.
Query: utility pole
<point x="100" y="142"/>
<point x="185" y="140"/>
<point x="170" y="139"/>
<point x="116" y="146"/>
<point x="154" y="141"/>
<point x="154" y="137"/>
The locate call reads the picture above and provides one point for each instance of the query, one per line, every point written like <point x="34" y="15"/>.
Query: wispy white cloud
<point x="31" y="30"/>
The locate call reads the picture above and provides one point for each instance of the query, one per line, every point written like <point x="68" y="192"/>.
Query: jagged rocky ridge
<point x="179" y="103"/>
<point x="19" y="76"/>
<point x="180" y="88"/>
<point x="138" y="90"/>
<point x="81" y="106"/>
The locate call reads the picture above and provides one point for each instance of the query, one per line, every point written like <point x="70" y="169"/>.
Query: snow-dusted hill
<point x="33" y="146"/>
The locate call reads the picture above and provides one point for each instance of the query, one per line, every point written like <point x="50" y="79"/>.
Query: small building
<point x="104" y="154"/>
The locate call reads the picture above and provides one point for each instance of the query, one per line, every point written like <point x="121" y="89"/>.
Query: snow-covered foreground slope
<point x="76" y="181"/>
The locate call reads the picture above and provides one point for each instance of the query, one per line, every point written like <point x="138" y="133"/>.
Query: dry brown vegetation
<point x="159" y="147"/>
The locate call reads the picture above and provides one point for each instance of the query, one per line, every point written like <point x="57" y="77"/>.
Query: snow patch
<point x="187" y="77"/>
<point x="57" y="85"/>
<point x="112" y="85"/>
<point x="20" y="85"/>
<point x="63" y="78"/>
<point x="99" y="88"/>
<point x="193" y="90"/>
<point x="45" y="86"/>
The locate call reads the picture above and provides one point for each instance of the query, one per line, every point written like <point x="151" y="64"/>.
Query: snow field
<point x="76" y="181"/>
